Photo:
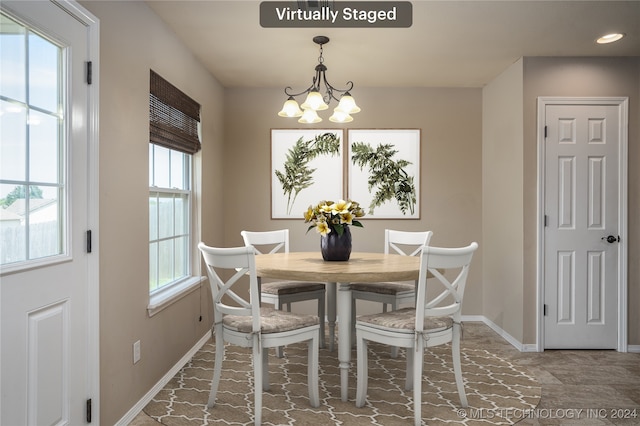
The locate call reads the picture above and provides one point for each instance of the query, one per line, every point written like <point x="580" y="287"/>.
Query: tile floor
<point x="578" y="387"/>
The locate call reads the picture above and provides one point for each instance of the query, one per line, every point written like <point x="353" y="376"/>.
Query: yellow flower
<point x="347" y="218"/>
<point x="325" y="208"/>
<point x="308" y="215"/>
<point x="356" y="209"/>
<point x="322" y="228"/>
<point x="341" y="207"/>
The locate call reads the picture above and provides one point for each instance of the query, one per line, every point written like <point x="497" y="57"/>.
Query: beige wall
<point x="502" y="201"/>
<point x="451" y="199"/>
<point x="581" y="77"/>
<point x="235" y="191"/>
<point x="133" y="40"/>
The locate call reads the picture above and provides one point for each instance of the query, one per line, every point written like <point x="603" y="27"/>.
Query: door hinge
<point x="89" y="410"/>
<point x="89" y="72"/>
<point x="89" y="241"/>
<point x="546" y="220"/>
<point x="545" y="131"/>
<point x="544" y="310"/>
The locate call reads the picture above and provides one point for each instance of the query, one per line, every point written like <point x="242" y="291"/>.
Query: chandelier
<point x="316" y="101"/>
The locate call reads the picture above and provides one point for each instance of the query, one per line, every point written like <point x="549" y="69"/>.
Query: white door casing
<point x="582" y="199"/>
<point x="49" y="331"/>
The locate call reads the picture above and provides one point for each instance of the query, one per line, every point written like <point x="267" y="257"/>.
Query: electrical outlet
<point x="136" y="351"/>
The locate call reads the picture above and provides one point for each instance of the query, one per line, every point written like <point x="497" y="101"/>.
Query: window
<point x="33" y="185"/>
<point x="174" y="121"/>
<point x="169" y="213"/>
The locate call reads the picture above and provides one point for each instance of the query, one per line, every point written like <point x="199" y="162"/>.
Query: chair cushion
<point x="290" y="287"/>
<point x="272" y="321"/>
<point x="385" y="287"/>
<point x="405" y="319"/>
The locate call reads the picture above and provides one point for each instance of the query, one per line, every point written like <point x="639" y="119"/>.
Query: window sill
<point x="164" y="298"/>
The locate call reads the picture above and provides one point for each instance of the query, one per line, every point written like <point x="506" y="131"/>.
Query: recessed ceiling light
<point x="609" y="38"/>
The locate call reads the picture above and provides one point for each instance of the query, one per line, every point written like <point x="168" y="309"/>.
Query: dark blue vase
<point x="336" y="247"/>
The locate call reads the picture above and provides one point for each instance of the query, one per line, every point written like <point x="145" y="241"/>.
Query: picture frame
<point x="307" y="166"/>
<point x="374" y="154"/>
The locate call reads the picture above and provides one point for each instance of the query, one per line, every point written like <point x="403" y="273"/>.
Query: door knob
<point x="611" y="239"/>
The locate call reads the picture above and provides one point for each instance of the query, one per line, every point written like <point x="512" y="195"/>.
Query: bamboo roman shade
<point x="173" y="117"/>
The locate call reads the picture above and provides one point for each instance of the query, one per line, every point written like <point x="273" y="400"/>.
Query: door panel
<point x="566" y="287"/>
<point x="44" y="298"/>
<point x="48" y="364"/>
<point x="595" y="287"/>
<point x="581" y="200"/>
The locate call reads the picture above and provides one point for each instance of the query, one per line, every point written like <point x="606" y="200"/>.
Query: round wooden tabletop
<point x="361" y="267"/>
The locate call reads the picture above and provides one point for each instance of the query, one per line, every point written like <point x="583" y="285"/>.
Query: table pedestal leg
<point x="331" y="313"/>
<point x="344" y="337"/>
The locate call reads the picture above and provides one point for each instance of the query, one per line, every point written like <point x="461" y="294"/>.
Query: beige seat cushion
<point x="289" y="287"/>
<point x="272" y="321"/>
<point x="384" y="288"/>
<point x="405" y="319"/>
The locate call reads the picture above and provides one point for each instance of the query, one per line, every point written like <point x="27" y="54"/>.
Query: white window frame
<point x="164" y="296"/>
<point x="64" y="230"/>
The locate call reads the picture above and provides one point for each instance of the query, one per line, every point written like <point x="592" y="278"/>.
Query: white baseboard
<point x="473" y="318"/>
<point x="506" y="336"/>
<point x="633" y="348"/>
<point x="532" y="347"/>
<point x="136" y="409"/>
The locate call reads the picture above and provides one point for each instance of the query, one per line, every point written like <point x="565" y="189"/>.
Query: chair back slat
<point x="451" y="289"/>
<point x="403" y="241"/>
<point x="220" y="262"/>
<point x="267" y="242"/>
<point x="455" y="262"/>
<point x="224" y="289"/>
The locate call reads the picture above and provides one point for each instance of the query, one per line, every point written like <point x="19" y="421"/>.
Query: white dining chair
<point x="392" y="294"/>
<point x="434" y="321"/>
<point x="282" y="293"/>
<point x="244" y="323"/>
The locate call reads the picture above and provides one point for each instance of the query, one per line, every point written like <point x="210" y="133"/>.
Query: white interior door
<point x="48" y="317"/>
<point x="582" y="229"/>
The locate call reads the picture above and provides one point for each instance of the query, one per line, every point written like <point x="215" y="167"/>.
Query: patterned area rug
<point x="499" y="392"/>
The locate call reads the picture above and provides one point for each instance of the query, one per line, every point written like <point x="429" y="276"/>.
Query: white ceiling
<point x="450" y="44"/>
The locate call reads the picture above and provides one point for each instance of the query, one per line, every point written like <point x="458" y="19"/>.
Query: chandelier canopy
<point x="316" y="101"/>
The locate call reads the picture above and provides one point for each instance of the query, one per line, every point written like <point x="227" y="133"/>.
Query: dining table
<point x="338" y="275"/>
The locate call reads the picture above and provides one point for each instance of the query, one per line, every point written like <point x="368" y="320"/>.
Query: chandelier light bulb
<point x="290" y="109"/>
<point x="309" y="116"/>
<point x="315" y="102"/>
<point x="340" y="117"/>
<point x="348" y="104"/>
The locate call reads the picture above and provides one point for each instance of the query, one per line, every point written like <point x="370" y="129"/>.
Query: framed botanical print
<point x="384" y="172"/>
<point x="307" y="166"/>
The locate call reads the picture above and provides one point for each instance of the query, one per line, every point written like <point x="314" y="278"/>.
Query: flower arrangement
<point x="327" y="216"/>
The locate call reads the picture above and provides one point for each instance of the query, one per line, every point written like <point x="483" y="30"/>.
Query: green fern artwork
<point x="387" y="176"/>
<point x="297" y="174"/>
